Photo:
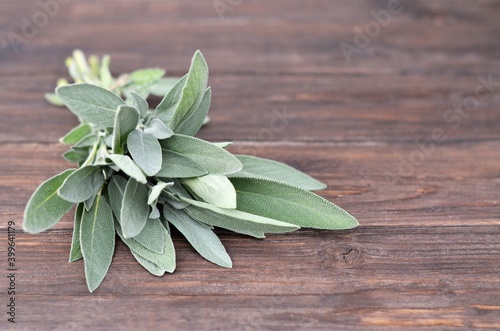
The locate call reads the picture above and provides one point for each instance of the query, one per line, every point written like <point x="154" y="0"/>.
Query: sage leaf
<point x="87" y="141"/>
<point x="165" y="261"/>
<point x="223" y="144"/>
<point x="148" y="265"/>
<point x="290" y="204"/>
<point x="76" y="155"/>
<point x="166" y="108"/>
<point x="91" y="103"/>
<point x="77" y="134"/>
<point x="97" y="240"/>
<point x="178" y="192"/>
<point x="125" y="122"/>
<point x="135" y="210"/>
<point x="158" y="129"/>
<point x="116" y="190"/>
<point x="89" y="202"/>
<point x="152" y="237"/>
<point x="155" y="212"/>
<point x="128" y="166"/>
<point x="105" y="73"/>
<point x="45" y="208"/>
<point x="255" y="167"/>
<point x="176" y="165"/>
<point x="145" y="150"/>
<point x="192" y="92"/>
<point x="200" y="236"/>
<point x="53" y="99"/>
<point x="214" y="189"/>
<point x="75" y="253"/>
<point x="139" y="103"/>
<point x="156" y="190"/>
<point x="235" y="220"/>
<point x="195" y="116"/>
<point x="141" y="80"/>
<point x="82" y="184"/>
<point x="163" y="86"/>
<point x="215" y="160"/>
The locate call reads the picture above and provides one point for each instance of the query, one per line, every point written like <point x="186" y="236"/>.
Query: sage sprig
<point x="140" y="170"/>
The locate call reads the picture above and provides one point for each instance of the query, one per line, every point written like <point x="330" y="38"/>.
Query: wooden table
<point x="381" y="130"/>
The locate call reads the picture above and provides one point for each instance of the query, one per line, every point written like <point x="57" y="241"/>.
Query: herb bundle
<point x="140" y="171"/>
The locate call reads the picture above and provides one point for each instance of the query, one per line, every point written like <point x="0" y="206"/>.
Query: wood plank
<point x="325" y="279"/>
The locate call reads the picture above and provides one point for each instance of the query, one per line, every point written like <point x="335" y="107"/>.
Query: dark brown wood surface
<point x="427" y="252"/>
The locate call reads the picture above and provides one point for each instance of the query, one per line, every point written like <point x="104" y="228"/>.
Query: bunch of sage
<point x="141" y="170"/>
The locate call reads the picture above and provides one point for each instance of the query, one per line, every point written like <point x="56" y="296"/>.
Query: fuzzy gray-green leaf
<point x="77" y="134"/>
<point x="151" y="236"/>
<point x="158" y="129"/>
<point x="97" y="240"/>
<point x="125" y="122"/>
<point x="128" y="166"/>
<point x="45" y="208"/>
<point x="176" y="165"/>
<point x="145" y="150"/>
<point x="215" y="160"/>
<point x="290" y="204"/>
<point x="256" y="167"/>
<point x="195" y="116"/>
<point x="165" y="261"/>
<point x="76" y="250"/>
<point x="235" y="220"/>
<point x="139" y="103"/>
<point x="82" y="184"/>
<point x="135" y="209"/>
<point x="166" y="108"/>
<point x="192" y="92"/>
<point x="116" y="189"/>
<point x="91" y="103"/>
<point x="200" y="236"/>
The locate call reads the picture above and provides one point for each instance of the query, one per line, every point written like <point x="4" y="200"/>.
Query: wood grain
<point x="427" y="252"/>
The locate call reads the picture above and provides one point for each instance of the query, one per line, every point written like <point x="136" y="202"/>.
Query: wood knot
<point x="343" y="256"/>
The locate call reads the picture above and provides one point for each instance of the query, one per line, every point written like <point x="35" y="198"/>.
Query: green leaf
<point x="89" y="202"/>
<point x="166" y="108"/>
<point x="192" y="92"/>
<point x="177" y="192"/>
<point x="97" y="239"/>
<point x="214" y="189"/>
<point x="165" y="261"/>
<point x="255" y="167"/>
<point x="215" y="160"/>
<point x="176" y="165"/>
<point x="223" y="144"/>
<point x="290" y="204"/>
<point x="145" y="150"/>
<point x="77" y="134"/>
<point x="125" y="122"/>
<point x="76" y="154"/>
<point x="82" y="184"/>
<point x="139" y="103"/>
<point x="155" y="192"/>
<point x="75" y="253"/>
<point x="135" y="209"/>
<point x="158" y="129"/>
<point x="128" y="166"/>
<point x="87" y="141"/>
<point x="91" y="103"/>
<point x="235" y="220"/>
<point x="141" y="81"/>
<point x="195" y="116"/>
<point x="200" y="236"/>
<point x="106" y="77"/>
<point x="53" y="99"/>
<point x="116" y="189"/>
<point x="148" y="265"/>
<point x="45" y="208"/>
<point x="163" y="86"/>
<point x="152" y="237"/>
